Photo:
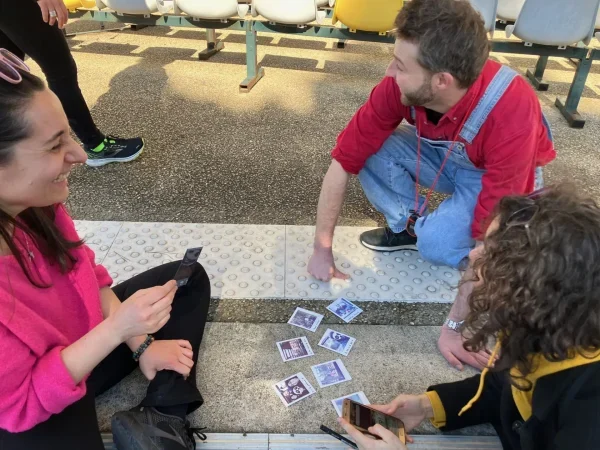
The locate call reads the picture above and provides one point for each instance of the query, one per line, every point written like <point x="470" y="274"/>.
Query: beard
<point x="421" y="96"/>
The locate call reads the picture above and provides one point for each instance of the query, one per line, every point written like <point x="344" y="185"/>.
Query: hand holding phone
<point x="378" y="438"/>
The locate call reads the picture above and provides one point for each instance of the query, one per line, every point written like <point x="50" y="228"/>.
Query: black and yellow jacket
<point x="560" y="412"/>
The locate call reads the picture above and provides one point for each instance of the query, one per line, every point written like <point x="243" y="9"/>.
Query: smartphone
<point x="362" y="417"/>
<point x="186" y="268"/>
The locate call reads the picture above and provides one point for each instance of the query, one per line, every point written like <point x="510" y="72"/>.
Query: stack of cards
<point x="296" y="387"/>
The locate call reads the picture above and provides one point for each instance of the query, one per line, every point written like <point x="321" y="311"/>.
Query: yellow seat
<point x="72" y="5"/>
<point x="367" y="15"/>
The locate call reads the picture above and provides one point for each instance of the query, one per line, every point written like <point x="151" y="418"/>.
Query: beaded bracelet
<point x="142" y="348"/>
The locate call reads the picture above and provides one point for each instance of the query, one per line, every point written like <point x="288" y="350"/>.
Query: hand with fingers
<point x="54" y="11"/>
<point x="176" y="355"/>
<point x="451" y="347"/>
<point x="410" y="409"/>
<point x="322" y="266"/>
<point x="145" y="312"/>
<point x="387" y="440"/>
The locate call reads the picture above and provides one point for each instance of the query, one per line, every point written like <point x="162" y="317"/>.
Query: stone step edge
<point x="374" y="313"/>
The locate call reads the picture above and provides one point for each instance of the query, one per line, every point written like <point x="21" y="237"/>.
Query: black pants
<point x="76" y="428"/>
<point x="23" y="31"/>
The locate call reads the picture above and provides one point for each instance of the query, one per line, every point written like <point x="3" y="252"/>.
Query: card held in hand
<point x="186" y="268"/>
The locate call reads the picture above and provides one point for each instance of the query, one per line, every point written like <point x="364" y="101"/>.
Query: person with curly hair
<point x="537" y="295"/>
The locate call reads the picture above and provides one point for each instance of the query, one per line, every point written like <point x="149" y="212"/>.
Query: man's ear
<point x="442" y="81"/>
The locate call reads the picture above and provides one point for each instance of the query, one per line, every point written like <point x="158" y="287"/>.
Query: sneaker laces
<point x="195" y="431"/>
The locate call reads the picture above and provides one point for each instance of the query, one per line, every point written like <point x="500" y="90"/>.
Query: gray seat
<point x="487" y="9"/>
<point x="129" y="6"/>
<point x="508" y="10"/>
<point x="555" y="22"/>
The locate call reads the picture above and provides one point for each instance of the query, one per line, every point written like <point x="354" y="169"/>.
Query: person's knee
<point x="440" y="249"/>
<point x="199" y="275"/>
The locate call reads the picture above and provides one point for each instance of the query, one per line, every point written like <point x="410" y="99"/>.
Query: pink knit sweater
<point x="36" y="324"/>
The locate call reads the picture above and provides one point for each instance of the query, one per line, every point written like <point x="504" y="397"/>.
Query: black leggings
<point x="23" y="31"/>
<point x="76" y="428"/>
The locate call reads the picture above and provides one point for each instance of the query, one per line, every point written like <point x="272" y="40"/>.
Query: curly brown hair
<point x="538" y="281"/>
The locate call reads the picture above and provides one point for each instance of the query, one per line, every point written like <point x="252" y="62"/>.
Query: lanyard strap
<point x="420" y="211"/>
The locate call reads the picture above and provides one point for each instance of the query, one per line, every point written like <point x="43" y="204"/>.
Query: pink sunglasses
<point x="9" y="63"/>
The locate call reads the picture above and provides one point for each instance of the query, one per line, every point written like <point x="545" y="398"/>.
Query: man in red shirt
<point x="445" y="117"/>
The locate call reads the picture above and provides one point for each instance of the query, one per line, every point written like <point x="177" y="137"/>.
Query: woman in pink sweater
<point x="65" y="335"/>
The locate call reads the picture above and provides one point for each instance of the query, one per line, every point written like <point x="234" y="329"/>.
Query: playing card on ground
<point x="344" y="309"/>
<point x="306" y="319"/>
<point x="337" y="342"/>
<point x="293" y="389"/>
<point x="358" y="397"/>
<point x="330" y="373"/>
<point x="294" y="349"/>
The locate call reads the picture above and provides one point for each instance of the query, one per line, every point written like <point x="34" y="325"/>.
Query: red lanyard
<point x="416" y="213"/>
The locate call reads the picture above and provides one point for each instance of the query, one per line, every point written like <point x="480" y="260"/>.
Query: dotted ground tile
<point x="376" y="276"/>
<point x="269" y="261"/>
<point x="242" y="261"/>
<point x="99" y="236"/>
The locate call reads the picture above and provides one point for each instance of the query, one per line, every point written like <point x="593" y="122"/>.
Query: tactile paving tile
<point x="99" y="236"/>
<point x="375" y="276"/>
<point x="242" y="261"/>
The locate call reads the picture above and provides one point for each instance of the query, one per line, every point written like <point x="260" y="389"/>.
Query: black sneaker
<point x="385" y="240"/>
<point x="147" y="429"/>
<point x="114" y="149"/>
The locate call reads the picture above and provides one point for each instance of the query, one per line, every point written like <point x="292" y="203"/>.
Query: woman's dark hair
<point x="539" y="290"/>
<point x="38" y="223"/>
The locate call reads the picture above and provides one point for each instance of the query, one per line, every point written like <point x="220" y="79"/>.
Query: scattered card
<point x="330" y="373"/>
<point x="306" y="319"/>
<point x="337" y="342"/>
<point x="344" y="309"/>
<point x="358" y="397"/>
<point x="293" y="389"/>
<point x="294" y="349"/>
<point x="186" y="268"/>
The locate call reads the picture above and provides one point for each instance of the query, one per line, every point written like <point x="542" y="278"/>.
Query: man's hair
<point x="450" y="34"/>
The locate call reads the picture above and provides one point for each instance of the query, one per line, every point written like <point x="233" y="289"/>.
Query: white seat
<point x="129" y="6"/>
<point x="212" y="9"/>
<point x="487" y="9"/>
<point x="292" y="12"/>
<point x="508" y="10"/>
<point x="555" y="22"/>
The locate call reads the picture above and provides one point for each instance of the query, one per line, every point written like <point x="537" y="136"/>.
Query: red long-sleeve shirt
<point x="512" y="142"/>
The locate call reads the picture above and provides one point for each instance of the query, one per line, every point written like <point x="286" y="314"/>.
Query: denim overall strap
<point x="490" y="98"/>
<point x="413" y="114"/>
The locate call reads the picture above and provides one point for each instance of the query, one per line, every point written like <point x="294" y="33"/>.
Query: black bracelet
<point x="142" y="348"/>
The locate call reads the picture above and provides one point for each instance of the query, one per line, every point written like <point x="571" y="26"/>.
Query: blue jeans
<point x="388" y="179"/>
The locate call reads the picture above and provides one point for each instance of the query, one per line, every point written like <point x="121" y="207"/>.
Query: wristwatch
<point x="455" y="326"/>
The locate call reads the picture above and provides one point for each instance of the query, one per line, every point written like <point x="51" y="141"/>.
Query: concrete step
<point x="239" y="364"/>
<point x="258" y="272"/>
